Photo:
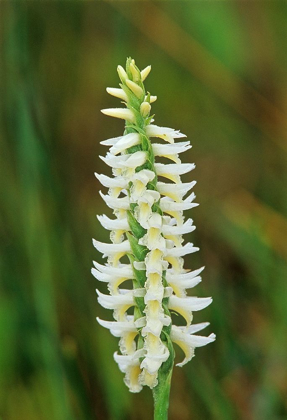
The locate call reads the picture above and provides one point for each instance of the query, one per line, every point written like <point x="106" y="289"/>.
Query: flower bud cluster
<point x="147" y="228"/>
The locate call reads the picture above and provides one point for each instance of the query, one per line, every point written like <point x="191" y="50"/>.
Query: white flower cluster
<point x="148" y="228"/>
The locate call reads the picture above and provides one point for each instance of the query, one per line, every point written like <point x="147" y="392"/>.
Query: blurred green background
<point x="219" y="70"/>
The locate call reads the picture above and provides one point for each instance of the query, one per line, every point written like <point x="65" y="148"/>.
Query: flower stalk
<point x="146" y="248"/>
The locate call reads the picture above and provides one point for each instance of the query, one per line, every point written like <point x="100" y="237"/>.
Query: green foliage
<point x="137" y="230"/>
<point x="139" y="251"/>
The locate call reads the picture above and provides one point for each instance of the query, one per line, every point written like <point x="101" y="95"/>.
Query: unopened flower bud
<point x="122" y="113"/>
<point x="122" y="73"/>
<point x="145" y="109"/>
<point x="135" y="72"/>
<point x="151" y="98"/>
<point x="118" y="93"/>
<point x="136" y="89"/>
<point x="145" y="72"/>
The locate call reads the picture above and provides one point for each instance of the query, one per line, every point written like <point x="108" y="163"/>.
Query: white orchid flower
<point x="148" y="228"/>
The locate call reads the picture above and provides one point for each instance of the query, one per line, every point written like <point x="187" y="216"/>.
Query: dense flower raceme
<point x="148" y="229"/>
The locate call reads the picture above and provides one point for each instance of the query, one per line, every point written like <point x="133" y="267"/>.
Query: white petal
<point x="125" y="361"/>
<point x="117" y="162"/>
<point x="144" y="176"/>
<point x="122" y="270"/>
<point x="156" y="354"/>
<point x="140" y="180"/>
<point x="117" y="182"/>
<point x="181" y="251"/>
<point x="144" y="209"/>
<point x="193" y="328"/>
<point x="114" y="279"/>
<point x="110" y="224"/>
<point x="186" y="283"/>
<point x="149" y="197"/>
<point x="167" y="291"/>
<point x="174" y="168"/>
<point x="116" y="301"/>
<point x="168" y="205"/>
<point x="181" y="189"/>
<point x="101" y="276"/>
<point x="188" y="342"/>
<point x="116" y="203"/>
<point x="150" y="380"/>
<point x="125" y="161"/>
<point x="125" y="142"/>
<point x="190" y="198"/>
<point x="163" y="132"/>
<point x="171" y="275"/>
<point x="197" y="327"/>
<point x="140" y="322"/>
<point x="111" y="142"/>
<point x="154" y="293"/>
<point x="154" y="262"/>
<point x="199" y="341"/>
<point x="117" y="328"/>
<point x="136" y="159"/>
<point x="140" y="292"/>
<point x="180" y="287"/>
<point x="170" y="149"/>
<point x="110" y="249"/>
<point x="189" y="303"/>
<point x="154" y="325"/>
<point x="114" y="161"/>
<point x="139" y="265"/>
<point x="187" y="227"/>
<point x="129" y="364"/>
<point x="155" y="221"/>
<point x="153" y="240"/>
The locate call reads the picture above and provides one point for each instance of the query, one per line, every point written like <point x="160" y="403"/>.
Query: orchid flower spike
<point x="147" y="228"/>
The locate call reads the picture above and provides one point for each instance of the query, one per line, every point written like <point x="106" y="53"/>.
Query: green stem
<point x="161" y="396"/>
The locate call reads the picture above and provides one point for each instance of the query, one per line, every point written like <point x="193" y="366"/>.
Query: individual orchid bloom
<point x="148" y="228"/>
